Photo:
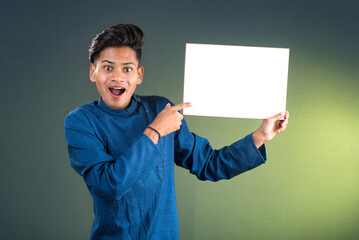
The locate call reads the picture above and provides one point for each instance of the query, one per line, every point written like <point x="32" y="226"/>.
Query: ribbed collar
<point x="119" y="112"/>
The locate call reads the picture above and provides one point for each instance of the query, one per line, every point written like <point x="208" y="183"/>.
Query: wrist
<point x="151" y="135"/>
<point x="152" y="132"/>
<point x="258" y="138"/>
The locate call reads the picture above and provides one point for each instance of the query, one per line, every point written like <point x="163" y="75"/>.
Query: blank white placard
<point x="235" y="81"/>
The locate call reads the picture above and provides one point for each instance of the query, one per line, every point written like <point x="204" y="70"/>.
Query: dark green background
<point x="307" y="190"/>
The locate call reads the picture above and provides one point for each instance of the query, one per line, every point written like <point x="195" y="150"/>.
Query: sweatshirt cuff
<point x="261" y="150"/>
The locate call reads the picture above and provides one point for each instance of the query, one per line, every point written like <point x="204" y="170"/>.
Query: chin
<point x="118" y="104"/>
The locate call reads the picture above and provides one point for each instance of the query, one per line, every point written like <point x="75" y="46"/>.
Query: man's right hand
<point x="167" y="121"/>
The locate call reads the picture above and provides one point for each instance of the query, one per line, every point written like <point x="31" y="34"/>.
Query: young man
<point x="125" y="145"/>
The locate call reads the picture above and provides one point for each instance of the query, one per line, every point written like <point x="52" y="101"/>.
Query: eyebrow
<point x="108" y="61"/>
<point x="125" y="63"/>
<point x="128" y="63"/>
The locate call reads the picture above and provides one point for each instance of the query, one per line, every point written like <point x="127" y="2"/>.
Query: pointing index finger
<point x="182" y="106"/>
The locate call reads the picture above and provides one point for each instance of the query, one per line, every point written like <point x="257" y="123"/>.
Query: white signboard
<point x="235" y="81"/>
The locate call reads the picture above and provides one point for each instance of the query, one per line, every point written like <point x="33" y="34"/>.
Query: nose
<point x="117" y="75"/>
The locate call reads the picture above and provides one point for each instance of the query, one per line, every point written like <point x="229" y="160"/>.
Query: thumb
<point x="277" y="116"/>
<point x="168" y="105"/>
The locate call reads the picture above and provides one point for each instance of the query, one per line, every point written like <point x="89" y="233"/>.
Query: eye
<point x="127" y="69"/>
<point x="108" y="68"/>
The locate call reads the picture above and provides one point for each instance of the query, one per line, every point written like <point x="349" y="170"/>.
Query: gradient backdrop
<point x="308" y="189"/>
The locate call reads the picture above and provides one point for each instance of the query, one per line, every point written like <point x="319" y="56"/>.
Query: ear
<point x="92" y="72"/>
<point x="140" y="75"/>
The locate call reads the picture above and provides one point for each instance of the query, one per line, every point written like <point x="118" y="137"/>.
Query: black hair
<point x="119" y="35"/>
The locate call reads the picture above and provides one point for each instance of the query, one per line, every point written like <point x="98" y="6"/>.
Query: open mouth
<point x="117" y="91"/>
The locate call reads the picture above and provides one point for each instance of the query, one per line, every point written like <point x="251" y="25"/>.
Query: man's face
<point x="116" y="74"/>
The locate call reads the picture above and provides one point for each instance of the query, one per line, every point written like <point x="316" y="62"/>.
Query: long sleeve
<point x="105" y="175"/>
<point x="131" y="179"/>
<point x="196" y="154"/>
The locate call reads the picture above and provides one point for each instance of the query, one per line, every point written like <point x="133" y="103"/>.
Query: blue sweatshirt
<point x="131" y="180"/>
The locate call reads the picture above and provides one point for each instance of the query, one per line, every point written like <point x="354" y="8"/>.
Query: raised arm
<point x="196" y="154"/>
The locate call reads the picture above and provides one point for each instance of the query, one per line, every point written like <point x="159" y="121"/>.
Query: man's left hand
<point x="270" y="127"/>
